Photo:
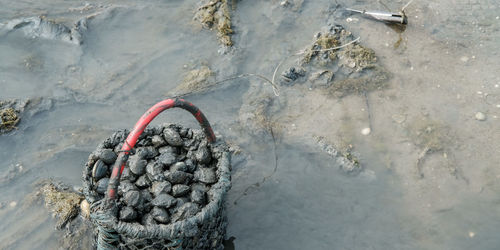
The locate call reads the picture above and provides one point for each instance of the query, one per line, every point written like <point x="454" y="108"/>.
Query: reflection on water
<point x="443" y="67"/>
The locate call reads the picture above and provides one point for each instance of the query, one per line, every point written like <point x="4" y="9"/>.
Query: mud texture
<point x="11" y="174"/>
<point x="214" y="14"/>
<point x="171" y="191"/>
<point x="134" y="53"/>
<point x="337" y="63"/>
<point x="34" y="27"/>
<point x="347" y="160"/>
<point x="195" y="81"/>
<point x="433" y="137"/>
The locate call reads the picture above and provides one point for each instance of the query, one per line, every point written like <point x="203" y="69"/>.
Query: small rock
<point x="480" y="116"/>
<point x="102" y="185"/>
<point x="158" y="141"/>
<point x="293" y="73"/>
<point x="99" y="170"/>
<point x="125" y="186"/>
<point x="13" y="204"/>
<point x="180" y="190"/>
<point x="160" y="215"/>
<point x="154" y="171"/>
<point x="143" y="181"/>
<point x="472" y="234"/>
<point x="168" y="149"/>
<point x="161" y="187"/>
<point x="146" y="195"/>
<point x="167" y="158"/>
<point x="180" y="201"/>
<point x="147" y="152"/>
<point x="205" y="175"/>
<point x="198" y="197"/>
<point x="366" y="131"/>
<point x="132" y="198"/>
<point x="107" y="156"/>
<point x="203" y="155"/>
<point x="164" y="200"/>
<point x="128" y="214"/>
<point x="199" y="186"/>
<point x="185" y="211"/>
<point x="178" y="177"/>
<point x="191" y="166"/>
<point x="191" y="144"/>
<point x="127" y="175"/>
<point x="85" y="208"/>
<point x="179" y="166"/>
<point x="172" y="137"/>
<point x="136" y="164"/>
<point x="183" y="132"/>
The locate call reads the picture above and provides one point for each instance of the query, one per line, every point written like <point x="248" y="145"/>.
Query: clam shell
<point x="99" y="170"/>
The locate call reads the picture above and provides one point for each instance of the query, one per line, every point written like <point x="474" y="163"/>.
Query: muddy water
<point x="444" y="69"/>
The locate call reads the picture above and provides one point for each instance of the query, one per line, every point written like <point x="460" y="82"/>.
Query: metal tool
<point x="386" y="16"/>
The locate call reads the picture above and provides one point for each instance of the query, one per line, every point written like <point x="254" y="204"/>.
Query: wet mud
<point x="373" y="125"/>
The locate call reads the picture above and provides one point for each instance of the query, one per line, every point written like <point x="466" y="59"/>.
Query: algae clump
<point x="63" y="203"/>
<point x="358" y="57"/>
<point x="215" y="15"/>
<point x="9" y="118"/>
<point x="324" y="42"/>
<point x="341" y="66"/>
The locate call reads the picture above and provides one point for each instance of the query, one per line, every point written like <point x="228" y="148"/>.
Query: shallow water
<point x="444" y="71"/>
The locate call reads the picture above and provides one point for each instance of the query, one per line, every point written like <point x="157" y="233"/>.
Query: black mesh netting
<point x="171" y="192"/>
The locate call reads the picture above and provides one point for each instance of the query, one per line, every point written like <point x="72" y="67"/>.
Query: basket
<point x="202" y="228"/>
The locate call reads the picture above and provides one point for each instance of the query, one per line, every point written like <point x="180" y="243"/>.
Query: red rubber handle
<point x="139" y="127"/>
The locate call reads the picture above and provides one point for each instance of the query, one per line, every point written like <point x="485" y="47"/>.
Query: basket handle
<point x="139" y="127"/>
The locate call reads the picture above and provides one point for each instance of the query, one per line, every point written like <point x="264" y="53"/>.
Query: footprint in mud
<point x="433" y="137"/>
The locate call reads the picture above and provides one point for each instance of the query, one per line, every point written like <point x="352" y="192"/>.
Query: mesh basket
<point x="202" y="228"/>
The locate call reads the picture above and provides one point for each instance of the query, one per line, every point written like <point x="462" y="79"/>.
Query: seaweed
<point x="345" y="66"/>
<point x="324" y="41"/>
<point x="215" y="15"/>
<point x="63" y="203"/>
<point x="9" y="118"/>
<point x="357" y="57"/>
